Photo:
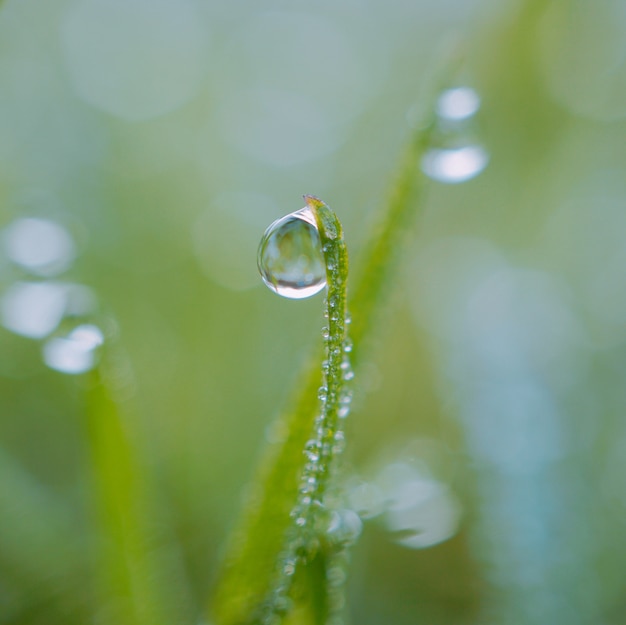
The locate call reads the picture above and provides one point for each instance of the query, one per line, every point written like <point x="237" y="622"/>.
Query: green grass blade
<point x="135" y="582"/>
<point x="249" y="567"/>
<point x="257" y="574"/>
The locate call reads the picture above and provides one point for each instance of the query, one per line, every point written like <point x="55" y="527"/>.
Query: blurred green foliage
<point x="164" y="137"/>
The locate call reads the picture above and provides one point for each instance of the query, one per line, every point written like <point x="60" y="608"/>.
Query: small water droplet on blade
<point x="290" y="256"/>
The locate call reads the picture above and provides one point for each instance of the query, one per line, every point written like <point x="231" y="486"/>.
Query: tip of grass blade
<point x="313" y="202"/>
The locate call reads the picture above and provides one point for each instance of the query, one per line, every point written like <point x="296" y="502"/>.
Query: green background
<point x="165" y="136"/>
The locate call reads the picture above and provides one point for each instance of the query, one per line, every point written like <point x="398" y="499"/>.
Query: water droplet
<point x="312" y="455"/>
<point x="290" y="257"/>
<point x="33" y="309"/>
<point x="420" y="511"/>
<point x="346" y="398"/>
<point x="458" y="103"/>
<point x="322" y="393"/>
<point x="74" y="353"/>
<point x="336" y="603"/>
<point x="312" y="466"/>
<point x="282" y="604"/>
<point x="336" y="576"/>
<point x="340" y="442"/>
<point x="311" y="445"/>
<point x="40" y="246"/>
<point x="344" y="527"/>
<point x="455" y="154"/>
<point x="455" y="165"/>
<point x="366" y="499"/>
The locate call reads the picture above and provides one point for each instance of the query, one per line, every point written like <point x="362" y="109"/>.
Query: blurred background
<point x="145" y="145"/>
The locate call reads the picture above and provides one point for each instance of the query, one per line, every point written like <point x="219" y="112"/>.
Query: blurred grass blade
<point x="135" y="582"/>
<point x="40" y="548"/>
<point x="258" y="540"/>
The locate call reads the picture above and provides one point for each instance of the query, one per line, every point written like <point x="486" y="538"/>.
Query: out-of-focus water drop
<point x="365" y="498"/>
<point x="40" y="246"/>
<point x="33" y="309"/>
<point x="344" y="526"/>
<point x="458" y="103"/>
<point x="74" y="353"/>
<point x="454" y="165"/>
<point x="134" y="59"/>
<point x="290" y="256"/>
<point x="421" y="511"/>
<point x="454" y="156"/>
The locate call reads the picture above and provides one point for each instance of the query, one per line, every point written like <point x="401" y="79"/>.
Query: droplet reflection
<point x="290" y="257"/>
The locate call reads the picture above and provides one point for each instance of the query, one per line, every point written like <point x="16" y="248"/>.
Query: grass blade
<point x="249" y="566"/>
<point x="135" y="579"/>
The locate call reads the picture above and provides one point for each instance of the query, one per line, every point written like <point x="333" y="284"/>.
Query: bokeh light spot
<point x="40" y="246"/>
<point x="74" y="353"/>
<point x="455" y="165"/>
<point x="33" y="309"/>
<point x="135" y="59"/>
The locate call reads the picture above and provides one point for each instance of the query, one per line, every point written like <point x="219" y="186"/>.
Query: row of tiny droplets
<point x="310" y="517"/>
